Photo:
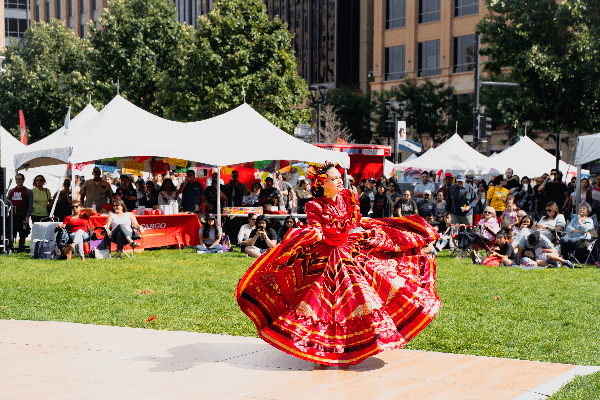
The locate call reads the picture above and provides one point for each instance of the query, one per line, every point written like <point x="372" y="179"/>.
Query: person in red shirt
<point x="22" y="199"/>
<point x="77" y="226"/>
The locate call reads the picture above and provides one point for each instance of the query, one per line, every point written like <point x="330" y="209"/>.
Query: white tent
<point x="588" y="149"/>
<point x="527" y="158"/>
<point x="123" y="130"/>
<point x="453" y="155"/>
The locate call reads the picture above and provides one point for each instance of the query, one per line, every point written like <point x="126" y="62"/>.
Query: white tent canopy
<point x="527" y="158"/>
<point x="453" y="155"/>
<point x="122" y="129"/>
<point x="588" y="149"/>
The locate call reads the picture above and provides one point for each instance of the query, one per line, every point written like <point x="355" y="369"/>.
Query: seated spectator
<point x="127" y="192"/>
<point x="244" y="232"/>
<point x="510" y="214"/>
<point x="551" y="222"/>
<point x="408" y="205"/>
<point x="120" y="225"/>
<point x="426" y="205"/>
<point x="502" y="251"/>
<point x="578" y="229"/>
<point x="288" y="224"/>
<point x="77" y="226"/>
<point x="210" y="236"/>
<point x="191" y="192"/>
<point x="236" y="190"/>
<point x="269" y="195"/>
<point x="522" y="229"/>
<point x="210" y="196"/>
<point x="251" y="199"/>
<point x="167" y="192"/>
<point x="488" y="228"/>
<point x="261" y="238"/>
<point x="303" y="195"/>
<point x="440" y="206"/>
<point x="63" y="202"/>
<point x="382" y="206"/>
<point x="543" y="250"/>
<point x="431" y="220"/>
<point x="364" y="202"/>
<point x="445" y="230"/>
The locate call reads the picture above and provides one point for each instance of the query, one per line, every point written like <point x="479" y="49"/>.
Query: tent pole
<point x="219" y="197"/>
<point x="346" y="185"/>
<point x="578" y="189"/>
<point x="58" y="190"/>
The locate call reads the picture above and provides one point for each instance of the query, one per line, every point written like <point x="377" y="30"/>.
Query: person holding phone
<point x="261" y="238"/>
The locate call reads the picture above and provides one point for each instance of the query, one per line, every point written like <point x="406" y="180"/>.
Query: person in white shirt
<point x="244" y="234"/>
<point x="424" y="185"/>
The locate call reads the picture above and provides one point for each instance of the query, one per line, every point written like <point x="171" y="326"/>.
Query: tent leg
<point x="219" y="197"/>
<point x="346" y="185"/>
<point x="578" y="189"/>
<point x="58" y="190"/>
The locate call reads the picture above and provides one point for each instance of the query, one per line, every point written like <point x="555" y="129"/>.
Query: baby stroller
<point x="470" y="240"/>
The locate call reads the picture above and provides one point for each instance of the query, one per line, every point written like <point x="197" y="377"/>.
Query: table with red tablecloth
<point x="162" y="230"/>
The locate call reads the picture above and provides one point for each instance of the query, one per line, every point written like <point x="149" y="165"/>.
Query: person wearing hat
<point x="462" y="199"/>
<point x="424" y="185"/>
<point x="96" y="191"/>
<point x="447" y="184"/>
<point x="370" y="189"/>
<point x="426" y="204"/>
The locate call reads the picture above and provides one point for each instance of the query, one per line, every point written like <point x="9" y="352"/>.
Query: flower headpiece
<point x="318" y="176"/>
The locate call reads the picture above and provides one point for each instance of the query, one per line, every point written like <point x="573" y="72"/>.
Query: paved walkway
<point x="58" y="360"/>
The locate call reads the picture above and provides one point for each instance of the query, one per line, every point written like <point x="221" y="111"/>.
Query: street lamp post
<point x="318" y="97"/>
<point x="395" y="109"/>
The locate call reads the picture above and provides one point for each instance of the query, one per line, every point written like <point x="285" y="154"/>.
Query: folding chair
<point x="587" y="244"/>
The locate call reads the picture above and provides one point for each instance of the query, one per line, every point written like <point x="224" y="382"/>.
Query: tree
<point x="552" y="50"/>
<point x="45" y="74"/>
<point x="333" y="129"/>
<point x="137" y="42"/>
<point x="354" y="111"/>
<point x="237" y="50"/>
<point x="428" y="105"/>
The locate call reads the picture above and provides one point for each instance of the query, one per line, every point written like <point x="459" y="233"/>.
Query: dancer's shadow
<point x="255" y="356"/>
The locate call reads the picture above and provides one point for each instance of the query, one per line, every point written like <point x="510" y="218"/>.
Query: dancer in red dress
<point x="342" y="289"/>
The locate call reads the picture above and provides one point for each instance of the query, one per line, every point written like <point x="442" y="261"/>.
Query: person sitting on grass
<point x="445" y="234"/>
<point x="210" y="236"/>
<point x="244" y="233"/>
<point x="523" y="229"/>
<point x="119" y="225"/>
<point x="261" y="238"/>
<point x="77" y="226"/>
<point x="502" y="251"/>
<point x="544" y="251"/>
<point x="510" y="214"/>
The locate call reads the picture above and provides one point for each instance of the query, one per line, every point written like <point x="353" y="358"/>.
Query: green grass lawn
<point x="544" y="315"/>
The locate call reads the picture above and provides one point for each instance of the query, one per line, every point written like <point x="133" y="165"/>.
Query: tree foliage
<point x="552" y="49"/>
<point x="237" y="50"/>
<point x="43" y="76"/>
<point x="333" y="129"/>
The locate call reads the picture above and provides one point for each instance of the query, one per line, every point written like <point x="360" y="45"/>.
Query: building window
<point x="57" y="9"/>
<point x="429" y="58"/>
<point x="82" y="31"/>
<point x="464" y="53"/>
<point x="429" y="11"/>
<point x="47" y="12"/>
<point x="394" y="63"/>
<point x="15" y="27"/>
<point x="81" y="6"/>
<point x="465" y="7"/>
<point x="396" y="14"/>
<point x="37" y="13"/>
<point x="70" y="8"/>
<point x="95" y="5"/>
<point x="19" y="4"/>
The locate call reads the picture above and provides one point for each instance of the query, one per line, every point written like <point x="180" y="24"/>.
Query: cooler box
<point x="43" y="240"/>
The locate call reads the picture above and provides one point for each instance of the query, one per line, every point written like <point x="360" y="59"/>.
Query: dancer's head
<point x="325" y="180"/>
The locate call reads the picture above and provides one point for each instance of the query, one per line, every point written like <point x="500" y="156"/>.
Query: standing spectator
<point x="408" y="205"/>
<point x="440" y="206"/>
<point x="109" y="181"/>
<point x="63" y="201"/>
<point x="288" y="224"/>
<point x="427" y="205"/>
<point x="364" y="203"/>
<point x="382" y="206"/>
<point x="424" y="185"/>
<point x="269" y="195"/>
<point x="584" y="193"/>
<point x="244" y="233"/>
<point x="539" y="196"/>
<point x="447" y="183"/>
<point x="303" y="195"/>
<point x="167" y="192"/>
<point x="370" y="189"/>
<point x="512" y="181"/>
<point x="22" y="201"/>
<point x="210" y="235"/>
<point x="251" y="199"/>
<point x="97" y="191"/>
<point x="42" y="199"/>
<point x="158" y="181"/>
<point x="481" y="198"/>
<point x="594" y="196"/>
<point x="261" y="238"/>
<point x="553" y="221"/>
<point x="461" y="201"/>
<point x="210" y="196"/>
<point x="236" y="190"/>
<point x="191" y="192"/>
<point x="286" y="190"/>
<point x="394" y="193"/>
<point x="558" y="192"/>
<point x="524" y="199"/>
<point x="127" y="192"/>
<point x="381" y="181"/>
<point x="496" y="195"/>
<point x="77" y="193"/>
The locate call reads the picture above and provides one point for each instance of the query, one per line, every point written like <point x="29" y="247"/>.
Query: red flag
<point x="23" y="129"/>
<point x="341" y="141"/>
<point x="152" y="318"/>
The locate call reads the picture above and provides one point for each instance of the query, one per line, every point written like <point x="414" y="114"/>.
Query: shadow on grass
<point x="254" y="356"/>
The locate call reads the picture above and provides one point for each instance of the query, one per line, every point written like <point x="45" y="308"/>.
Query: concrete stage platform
<point x="59" y="360"/>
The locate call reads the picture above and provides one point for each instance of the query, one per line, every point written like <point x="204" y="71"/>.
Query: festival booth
<point x="366" y="161"/>
<point x="123" y="135"/>
<point x="588" y="150"/>
<point x="527" y="158"/>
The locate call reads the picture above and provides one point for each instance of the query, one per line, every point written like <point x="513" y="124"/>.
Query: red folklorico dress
<point x="336" y="295"/>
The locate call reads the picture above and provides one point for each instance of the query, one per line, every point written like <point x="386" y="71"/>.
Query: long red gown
<point x="335" y="296"/>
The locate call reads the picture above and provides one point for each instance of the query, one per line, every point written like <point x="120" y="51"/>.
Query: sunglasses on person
<point x="74" y="207"/>
<point x="253" y="219"/>
<point x="488" y="212"/>
<point x="549" y="210"/>
<point x="289" y="222"/>
<point x="39" y="180"/>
